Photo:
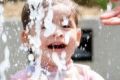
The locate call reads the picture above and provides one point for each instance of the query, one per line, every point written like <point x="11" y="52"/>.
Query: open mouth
<point x="57" y="46"/>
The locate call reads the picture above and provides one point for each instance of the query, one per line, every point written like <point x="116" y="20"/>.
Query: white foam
<point x="4" y="38"/>
<point x="67" y="37"/>
<point x="37" y="74"/>
<point x="63" y="55"/>
<point x="1" y="18"/>
<point x="5" y="64"/>
<point x="65" y="21"/>
<point x="50" y="27"/>
<point x="56" y="58"/>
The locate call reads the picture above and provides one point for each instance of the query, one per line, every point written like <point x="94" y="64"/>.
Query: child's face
<point x="63" y="40"/>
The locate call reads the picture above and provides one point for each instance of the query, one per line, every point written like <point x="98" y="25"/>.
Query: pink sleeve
<point x="88" y="73"/>
<point x="21" y="75"/>
<point x="95" y="76"/>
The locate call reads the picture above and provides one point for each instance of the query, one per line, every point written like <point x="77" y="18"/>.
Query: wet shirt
<point x="75" y="72"/>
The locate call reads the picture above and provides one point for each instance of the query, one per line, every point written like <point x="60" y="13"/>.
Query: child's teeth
<point x="56" y="46"/>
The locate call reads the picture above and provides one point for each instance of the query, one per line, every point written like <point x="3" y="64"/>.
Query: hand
<point x="112" y="17"/>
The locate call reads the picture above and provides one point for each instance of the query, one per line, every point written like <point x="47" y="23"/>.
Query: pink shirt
<point x="75" y="72"/>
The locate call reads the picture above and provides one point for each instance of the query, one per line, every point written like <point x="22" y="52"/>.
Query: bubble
<point x="88" y="37"/>
<point x="4" y="38"/>
<point x="50" y="27"/>
<point x="5" y="64"/>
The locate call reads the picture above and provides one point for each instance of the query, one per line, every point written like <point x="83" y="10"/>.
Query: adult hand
<point x="111" y="17"/>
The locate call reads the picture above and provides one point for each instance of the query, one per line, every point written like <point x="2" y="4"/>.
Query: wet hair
<point x="70" y="4"/>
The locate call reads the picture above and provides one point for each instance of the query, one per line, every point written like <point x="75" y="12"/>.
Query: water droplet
<point x="4" y="38"/>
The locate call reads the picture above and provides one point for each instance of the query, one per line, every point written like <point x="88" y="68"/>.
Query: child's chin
<point x="58" y="51"/>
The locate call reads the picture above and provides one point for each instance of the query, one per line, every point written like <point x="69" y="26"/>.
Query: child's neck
<point x="54" y="69"/>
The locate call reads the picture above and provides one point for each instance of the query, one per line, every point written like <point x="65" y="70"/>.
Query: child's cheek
<point x="67" y="37"/>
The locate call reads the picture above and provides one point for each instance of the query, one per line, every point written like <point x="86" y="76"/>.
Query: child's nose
<point x="58" y="33"/>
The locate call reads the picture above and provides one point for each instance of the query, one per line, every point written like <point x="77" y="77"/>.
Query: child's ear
<point x="78" y="37"/>
<point x="24" y="37"/>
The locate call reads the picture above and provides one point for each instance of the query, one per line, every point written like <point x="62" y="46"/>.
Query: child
<point x="59" y="35"/>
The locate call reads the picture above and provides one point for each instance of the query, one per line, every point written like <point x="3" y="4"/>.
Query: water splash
<point x="50" y="27"/>
<point x="65" y="21"/>
<point x="109" y="6"/>
<point x="4" y="38"/>
<point x="61" y="65"/>
<point x="5" y="64"/>
<point x="67" y="37"/>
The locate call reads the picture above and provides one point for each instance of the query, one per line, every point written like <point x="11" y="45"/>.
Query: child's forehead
<point x="61" y="11"/>
<point x="58" y="13"/>
<point x="62" y="7"/>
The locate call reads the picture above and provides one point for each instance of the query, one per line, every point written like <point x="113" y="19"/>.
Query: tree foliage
<point x="91" y="3"/>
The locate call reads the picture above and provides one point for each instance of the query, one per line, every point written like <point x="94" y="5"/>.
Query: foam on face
<point x="50" y="27"/>
<point x="63" y="55"/>
<point x="65" y="21"/>
<point x="36" y="16"/>
<point x="59" y="60"/>
<point x="67" y="37"/>
<point x="61" y="64"/>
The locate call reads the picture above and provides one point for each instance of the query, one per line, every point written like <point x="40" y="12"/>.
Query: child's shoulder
<point x="82" y="66"/>
<point x="88" y="72"/>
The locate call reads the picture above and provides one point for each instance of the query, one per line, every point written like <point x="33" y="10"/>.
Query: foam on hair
<point x="68" y="3"/>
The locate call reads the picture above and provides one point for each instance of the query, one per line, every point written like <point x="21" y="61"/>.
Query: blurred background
<point x="103" y="52"/>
